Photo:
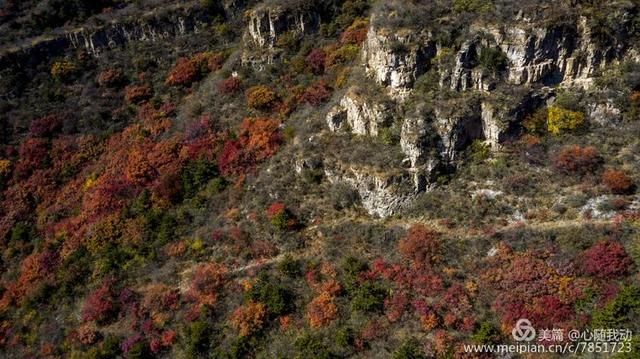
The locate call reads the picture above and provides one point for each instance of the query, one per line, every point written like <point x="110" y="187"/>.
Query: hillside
<point x="317" y="179"/>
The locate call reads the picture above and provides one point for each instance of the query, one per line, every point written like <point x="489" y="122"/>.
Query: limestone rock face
<point x="456" y="130"/>
<point x="96" y="40"/>
<point x="363" y="116"/>
<point x="414" y="140"/>
<point x="605" y="114"/>
<point x="502" y="118"/>
<point x="395" y="59"/>
<point x="491" y="127"/>
<point x="568" y="56"/>
<point x="382" y="194"/>
<point x="265" y="25"/>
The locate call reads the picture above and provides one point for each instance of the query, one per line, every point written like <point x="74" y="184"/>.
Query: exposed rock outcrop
<point x="149" y="27"/>
<point x="382" y="194"/>
<point x="605" y="114"/>
<point x="395" y="59"/>
<point x="266" y="24"/>
<point x="501" y="116"/>
<point x="566" y="55"/>
<point x="457" y="128"/>
<point x="364" y="116"/>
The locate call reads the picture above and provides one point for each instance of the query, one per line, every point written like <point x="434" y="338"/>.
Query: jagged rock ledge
<point x="154" y="26"/>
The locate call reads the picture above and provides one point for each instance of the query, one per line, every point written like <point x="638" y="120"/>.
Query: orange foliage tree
<point x="208" y="280"/>
<point x="421" y="245"/>
<point x="577" y="160"/>
<point x="261" y="97"/>
<point x="249" y="318"/>
<point x="322" y="310"/>
<point x="617" y="181"/>
<point x="137" y="93"/>
<point x="258" y="139"/>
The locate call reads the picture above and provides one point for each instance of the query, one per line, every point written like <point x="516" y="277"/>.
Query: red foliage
<point x="108" y="196"/>
<point x="34" y="154"/>
<point x="421" y="245"/>
<point x="86" y="334"/>
<point x="276" y="209"/>
<point x="137" y="93"/>
<point x="607" y="259"/>
<point x="111" y="78"/>
<point x="249" y="318"/>
<point x="549" y="311"/>
<point x="258" y="140"/>
<point x="184" y="72"/>
<point x="230" y="85"/>
<point x="165" y="341"/>
<point x="214" y="60"/>
<point x="231" y="160"/>
<point x="317" y="93"/>
<point x="356" y="33"/>
<point x="577" y="160"/>
<point x="100" y="306"/>
<point x="45" y="126"/>
<point x="315" y="60"/>
<point x="322" y="310"/>
<point x="188" y="70"/>
<point x="208" y="280"/>
<point x="617" y="181"/>
<point x="36" y="270"/>
<point x="139" y="170"/>
<point x="395" y="306"/>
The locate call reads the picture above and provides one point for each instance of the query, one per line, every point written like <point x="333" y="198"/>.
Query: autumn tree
<point x="101" y="305"/>
<point x="208" y="280"/>
<point x="315" y="60"/>
<point x="356" y="33"/>
<point x="261" y="97"/>
<point x="230" y="85"/>
<point x="249" y="318"/>
<point x="258" y="139"/>
<point x="420" y="245"/>
<point x="184" y="72"/>
<point x="111" y="78"/>
<point x="617" y="181"/>
<point x="577" y="160"/>
<point x="607" y="259"/>
<point x="317" y="93"/>
<point x="561" y="120"/>
<point x="137" y="93"/>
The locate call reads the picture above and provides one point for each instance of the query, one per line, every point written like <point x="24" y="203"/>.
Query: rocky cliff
<point x="159" y="25"/>
<point x="495" y="78"/>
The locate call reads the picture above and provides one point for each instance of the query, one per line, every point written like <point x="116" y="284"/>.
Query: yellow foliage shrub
<point x="5" y="167"/>
<point x="561" y="120"/>
<point x="62" y="69"/>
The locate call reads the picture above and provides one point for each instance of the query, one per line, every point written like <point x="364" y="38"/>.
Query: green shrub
<point x="622" y="312"/>
<point x="487" y="334"/>
<point x="493" y="59"/>
<point x="309" y="346"/>
<point x="410" y="349"/>
<point x="352" y="267"/>
<point x="277" y="297"/>
<point x="389" y="135"/>
<point x="345" y="337"/>
<point x="368" y="297"/>
<point x="473" y="6"/>
<point x="197" y="338"/>
<point x="290" y="267"/>
<point x="196" y="175"/>
<point x="478" y="151"/>
<point x="536" y="123"/>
